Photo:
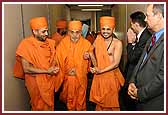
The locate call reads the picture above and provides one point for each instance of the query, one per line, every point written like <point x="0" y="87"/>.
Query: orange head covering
<point x="61" y="24"/>
<point x="38" y="23"/>
<point x="107" y="21"/>
<point x="75" y="25"/>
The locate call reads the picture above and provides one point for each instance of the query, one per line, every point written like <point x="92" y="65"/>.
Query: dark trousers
<point x="126" y="103"/>
<point x="58" y="105"/>
<point x="90" y="105"/>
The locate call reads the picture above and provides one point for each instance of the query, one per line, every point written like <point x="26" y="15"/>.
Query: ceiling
<point x="103" y="7"/>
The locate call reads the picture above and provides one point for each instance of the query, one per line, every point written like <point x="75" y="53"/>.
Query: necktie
<point x="149" y="48"/>
<point x="153" y="39"/>
<point x="153" y="43"/>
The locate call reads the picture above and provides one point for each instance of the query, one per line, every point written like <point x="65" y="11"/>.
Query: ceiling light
<point x="90" y="5"/>
<point x="91" y="9"/>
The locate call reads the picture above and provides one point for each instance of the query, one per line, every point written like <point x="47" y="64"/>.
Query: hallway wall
<point x="119" y="12"/>
<point x="30" y="11"/>
<point x="15" y="93"/>
<point x="56" y="12"/>
<point x="16" y="27"/>
<point x="79" y="15"/>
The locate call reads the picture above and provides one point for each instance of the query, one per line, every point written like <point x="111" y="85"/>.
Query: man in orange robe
<point x="108" y="78"/>
<point x="61" y="26"/>
<point x="35" y="63"/>
<point x="74" y="67"/>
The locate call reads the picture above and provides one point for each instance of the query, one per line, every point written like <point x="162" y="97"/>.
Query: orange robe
<point x="40" y="86"/>
<point x="70" y="55"/>
<point x="105" y="87"/>
<point x="57" y="37"/>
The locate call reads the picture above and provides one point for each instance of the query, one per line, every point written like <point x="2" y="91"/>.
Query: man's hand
<point x="92" y="70"/>
<point x="72" y="72"/>
<point x="86" y="55"/>
<point x="131" y="36"/>
<point x="95" y="70"/>
<point x="132" y="91"/>
<point x="53" y="70"/>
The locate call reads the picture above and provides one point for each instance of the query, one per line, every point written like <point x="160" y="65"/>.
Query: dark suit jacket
<point x="149" y="78"/>
<point x="134" y="53"/>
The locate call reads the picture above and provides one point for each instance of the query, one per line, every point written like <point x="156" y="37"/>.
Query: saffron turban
<point x="75" y="25"/>
<point x="61" y="24"/>
<point x="38" y="23"/>
<point x="107" y="21"/>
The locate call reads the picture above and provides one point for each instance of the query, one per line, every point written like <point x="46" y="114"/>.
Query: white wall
<point x="30" y="11"/>
<point x="15" y="93"/>
<point x="16" y="97"/>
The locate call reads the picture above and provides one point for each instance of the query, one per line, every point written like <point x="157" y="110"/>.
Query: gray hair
<point x="158" y="8"/>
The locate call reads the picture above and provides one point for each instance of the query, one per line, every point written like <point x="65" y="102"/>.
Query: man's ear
<point x="34" y="32"/>
<point x="136" y="23"/>
<point x="159" y="15"/>
<point x="69" y="33"/>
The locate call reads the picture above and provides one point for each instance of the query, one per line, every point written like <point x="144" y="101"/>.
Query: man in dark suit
<point x="146" y="85"/>
<point x="137" y="36"/>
